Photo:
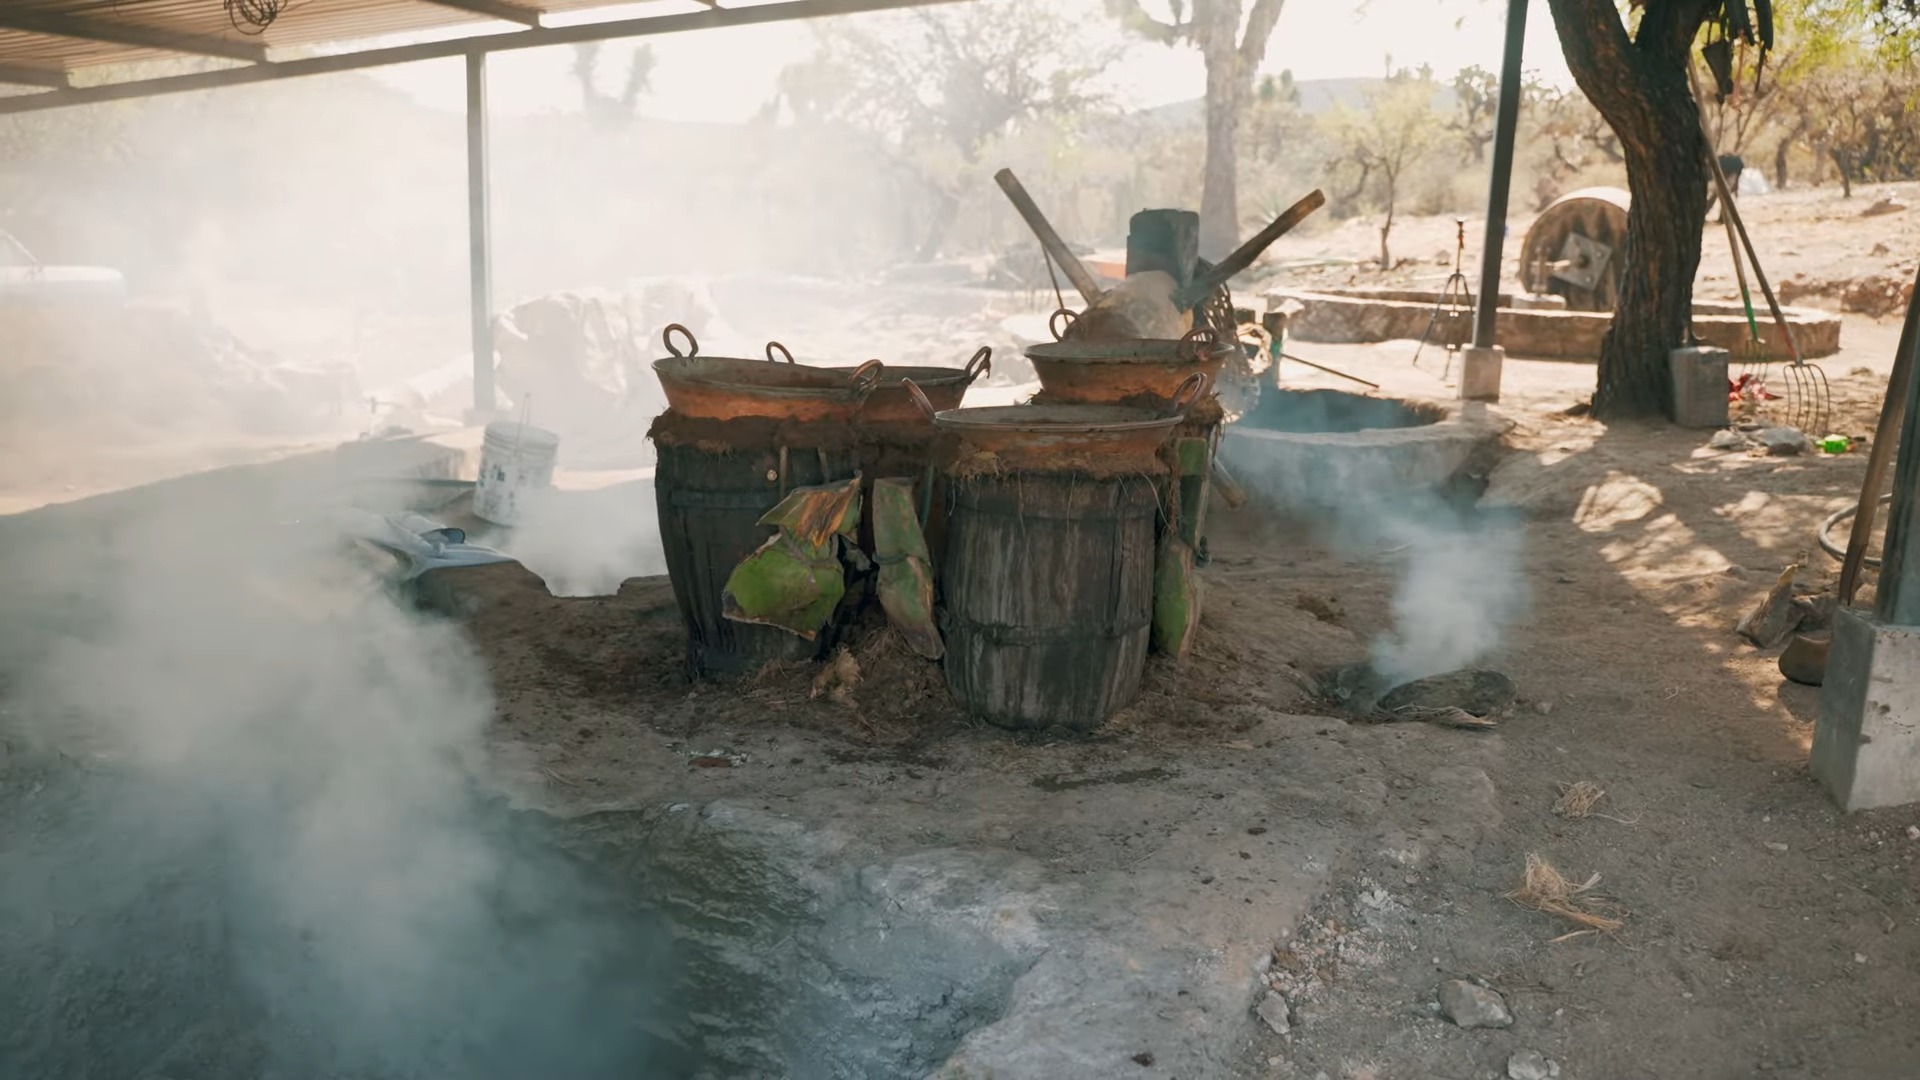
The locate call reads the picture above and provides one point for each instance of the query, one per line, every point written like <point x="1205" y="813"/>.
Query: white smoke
<point x="276" y="736"/>
<point x="1459" y="588"/>
<point x="1460" y="582"/>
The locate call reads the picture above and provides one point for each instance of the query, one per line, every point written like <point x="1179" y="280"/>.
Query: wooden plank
<point x="495" y="9"/>
<point x="133" y="35"/>
<point x="1083" y="281"/>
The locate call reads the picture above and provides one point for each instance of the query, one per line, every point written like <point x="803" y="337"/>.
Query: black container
<point x="710" y="505"/>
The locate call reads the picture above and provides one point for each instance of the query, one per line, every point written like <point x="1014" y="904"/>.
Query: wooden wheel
<point x="1575" y="248"/>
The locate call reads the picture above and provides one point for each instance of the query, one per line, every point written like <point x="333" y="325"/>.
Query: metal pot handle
<point x="867" y="375"/>
<point x="981" y="364"/>
<point x="772" y="346"/>
<point x="1190" y="390"/>
<point x="693" y="344"/>
<point x="1053" y="323"/>
<point x="919" y="397"/>
<point x="1195" y="341"/>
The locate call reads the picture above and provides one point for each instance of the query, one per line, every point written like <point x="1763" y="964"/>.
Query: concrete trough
<point x="1364" y="316"/>
<point x="1312" y="451"/>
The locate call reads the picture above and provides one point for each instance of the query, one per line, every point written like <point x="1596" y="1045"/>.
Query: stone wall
<point x="1366" y="316"/>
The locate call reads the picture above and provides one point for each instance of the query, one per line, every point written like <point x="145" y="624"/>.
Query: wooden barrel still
<point x="710" y="502"/>
<point x="1048" y="584"/>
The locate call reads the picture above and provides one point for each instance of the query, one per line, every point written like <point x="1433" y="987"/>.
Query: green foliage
<point x="1375" y="148"/>
<point x="934" y="92"/>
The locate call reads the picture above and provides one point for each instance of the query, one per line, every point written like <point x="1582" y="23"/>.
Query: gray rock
<point x="1784" y="441"/>
<point x="1273" y="1009"/>
<point x="1728" y="440"/>
<point x="1530" y="1065"/>
<point x="1478" y="691"/>
<point x="1473" y="1006"/>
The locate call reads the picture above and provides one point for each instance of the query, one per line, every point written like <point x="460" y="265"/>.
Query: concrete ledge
<point x="1303" y="472"/>
<point x="1363" y="316"/>
<point x="1866" y="743"/>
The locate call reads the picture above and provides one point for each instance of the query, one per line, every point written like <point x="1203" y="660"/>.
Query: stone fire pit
<point x="1311" y="450"/>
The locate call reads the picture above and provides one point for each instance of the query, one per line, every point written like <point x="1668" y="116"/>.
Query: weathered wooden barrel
<point x="1048" y="583"/>
<point x="710" y="499"/>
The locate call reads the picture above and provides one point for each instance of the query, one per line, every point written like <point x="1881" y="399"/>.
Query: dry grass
<point x="836" y="679"/>
<point x="1578" y="799"/>
<point x="1546" y="890"/>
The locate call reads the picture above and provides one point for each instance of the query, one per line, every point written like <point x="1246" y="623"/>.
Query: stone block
<point x="1480" y="372"/>
<point x="1699" y="386"/>
<point x="1866" y="743"/>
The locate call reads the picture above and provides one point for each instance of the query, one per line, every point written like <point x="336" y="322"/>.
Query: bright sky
<point x="727" y="75"/>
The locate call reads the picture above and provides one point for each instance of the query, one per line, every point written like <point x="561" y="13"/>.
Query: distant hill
<point x="1317" y="96"/>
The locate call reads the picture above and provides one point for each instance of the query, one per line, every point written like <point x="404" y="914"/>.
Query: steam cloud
<point x="1460" y="583"/>
<point x="1458" y="589"/>
<point x="275" y="862"/>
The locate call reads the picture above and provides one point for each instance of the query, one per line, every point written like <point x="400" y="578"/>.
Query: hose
<point x="1826" y="543"/>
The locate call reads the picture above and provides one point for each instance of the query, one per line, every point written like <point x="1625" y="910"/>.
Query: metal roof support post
<point x="1480" y="366"/>
<point x="1506" y="120"/>
<point x="479" y="236"/>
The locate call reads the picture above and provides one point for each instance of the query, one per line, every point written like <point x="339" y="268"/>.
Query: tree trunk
<point x="1386" y="227"/>
<point x="1667" y="176"/>
<point x="946" y="210"/>
<point x="1639" y="85"/>
<point x="1227" y="93"/>
<point x="1846" y="174"/>
<point x="1780" y="163"/>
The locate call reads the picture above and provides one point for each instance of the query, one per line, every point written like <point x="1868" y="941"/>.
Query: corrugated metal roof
<point x="72" y="35"/>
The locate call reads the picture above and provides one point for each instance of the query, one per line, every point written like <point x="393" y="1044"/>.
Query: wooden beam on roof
<point x="711" y="19"/>
<point x="495" y="9"/>
<point x="19" y="75"/>
<point x="115" y="32"/>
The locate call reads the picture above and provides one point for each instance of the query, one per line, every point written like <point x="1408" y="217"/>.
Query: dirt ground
<point x="1766" y="934"/>
<point x="1817" y="247"/>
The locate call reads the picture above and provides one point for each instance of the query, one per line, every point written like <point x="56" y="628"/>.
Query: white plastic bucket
<point x="516" y="465"/>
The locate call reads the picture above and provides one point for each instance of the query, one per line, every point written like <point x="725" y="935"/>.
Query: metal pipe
<point x="1506" y="121"/>
<point x="712" y="18"/>
<point x="1897" y="596"/>
<point x="479" y="235"/>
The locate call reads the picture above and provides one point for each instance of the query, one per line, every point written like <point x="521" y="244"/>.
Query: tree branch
<point x="1133" y="15"/>
<point x="1260" y="24"/>
<point x="1598" y="52"/>
<point x="1668" y="27"/>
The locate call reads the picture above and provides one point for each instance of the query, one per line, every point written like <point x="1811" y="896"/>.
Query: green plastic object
<point x="795" y="580"/>
<point x="1836" y="444"/>
<point x="1176" y="598"/>
<point x="906" y="577"/>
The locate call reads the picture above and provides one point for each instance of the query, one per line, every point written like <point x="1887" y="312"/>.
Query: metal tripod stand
<point x="1453" y="311"/>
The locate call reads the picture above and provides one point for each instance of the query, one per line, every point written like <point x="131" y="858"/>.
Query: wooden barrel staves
<point x="1048" y="580"/>
<point x="710" y="502"/>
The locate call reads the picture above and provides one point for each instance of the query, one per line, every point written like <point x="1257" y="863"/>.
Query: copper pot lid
<point x="760" y="377"/>
<point x="1197" y="345"/>
<point x="1063" y="419"/>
